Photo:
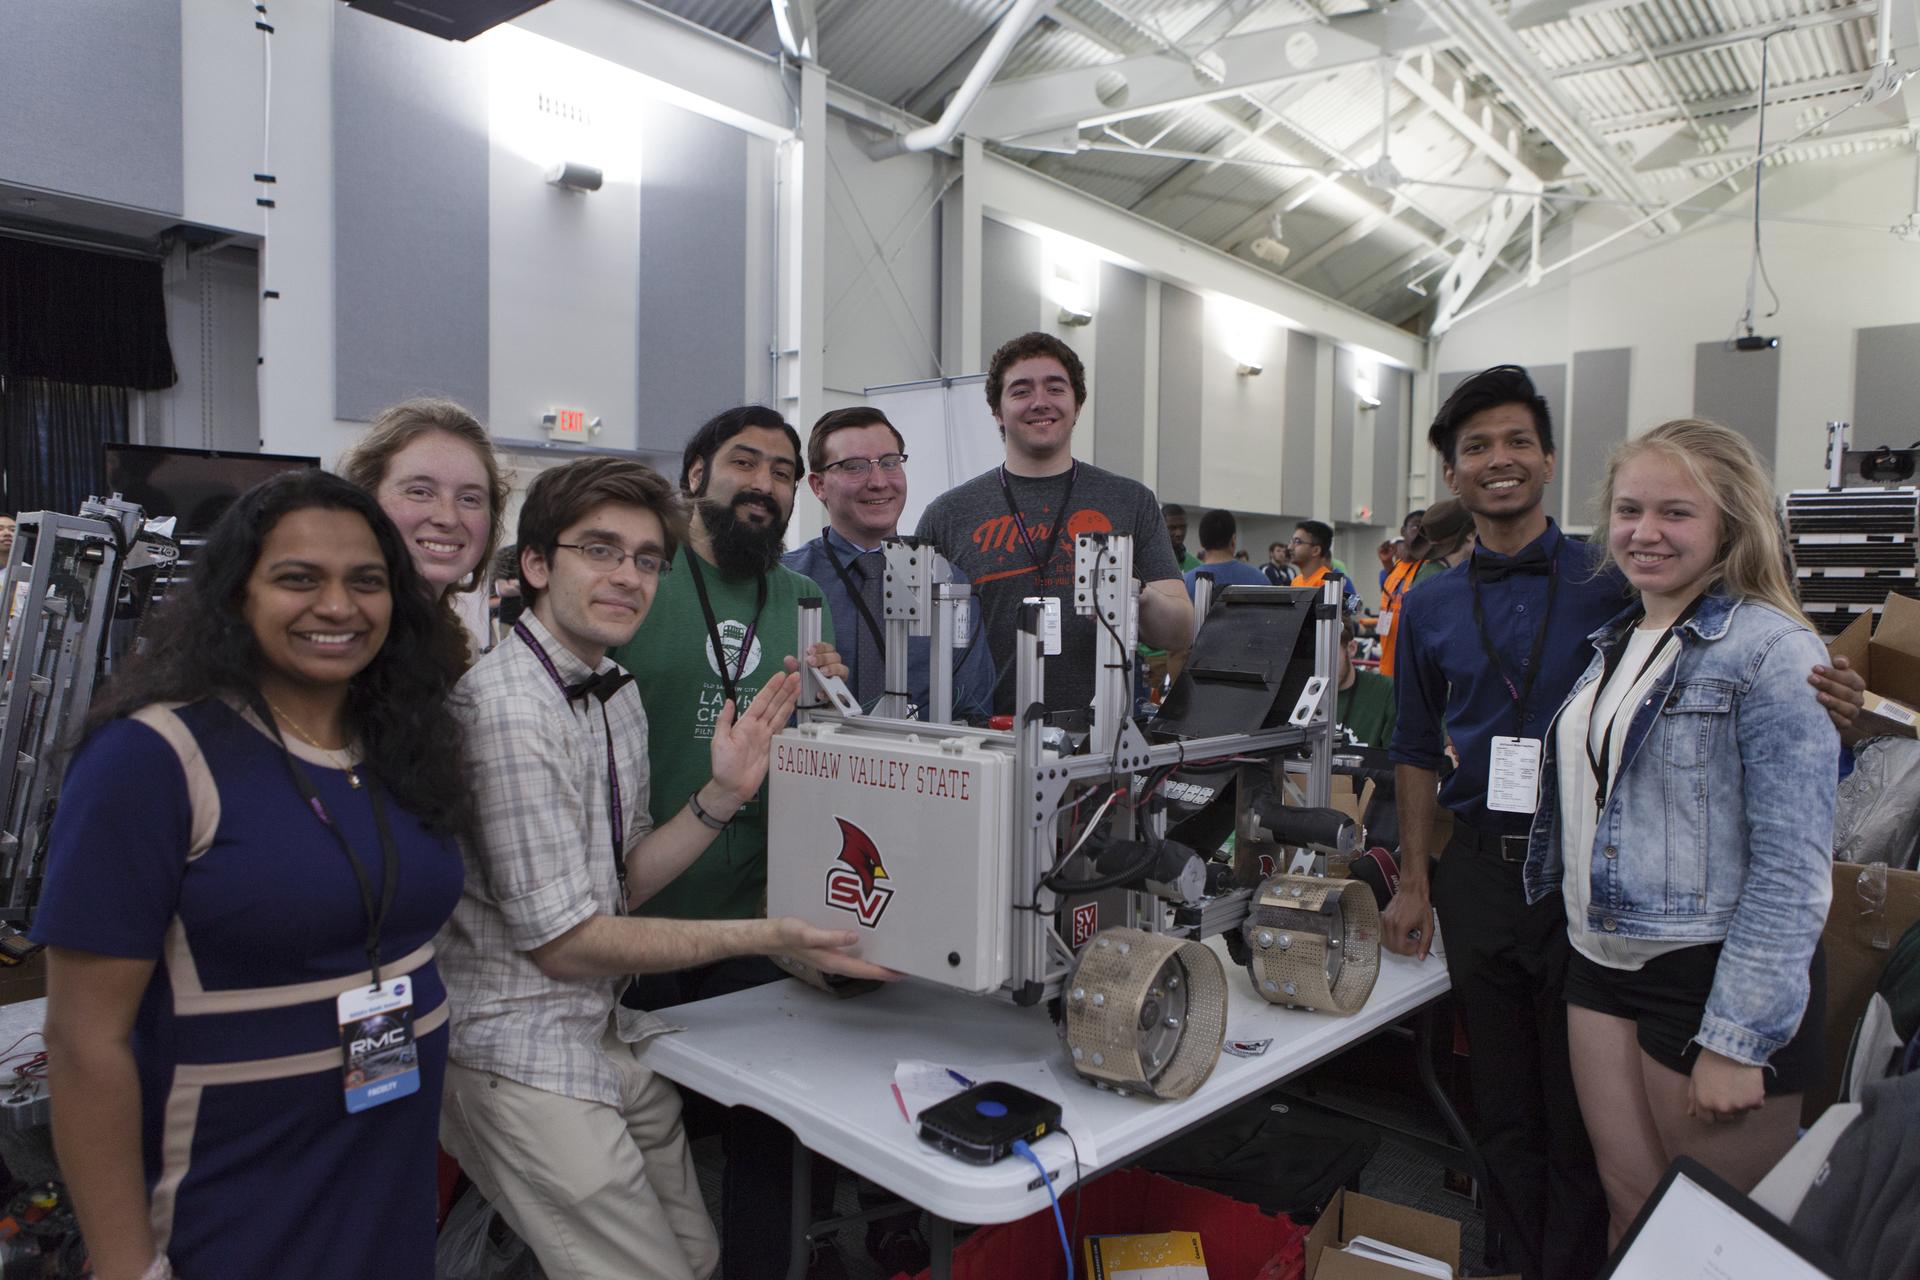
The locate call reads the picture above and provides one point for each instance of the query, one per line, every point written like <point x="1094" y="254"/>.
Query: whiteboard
<point x="950" y="433"/>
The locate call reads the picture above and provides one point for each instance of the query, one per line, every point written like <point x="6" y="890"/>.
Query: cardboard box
<point x="1169" y="1255"/>
<point x="1351" y="1214"/>
<point x="1854" y="966"/>
<point x="1888" y="659"/>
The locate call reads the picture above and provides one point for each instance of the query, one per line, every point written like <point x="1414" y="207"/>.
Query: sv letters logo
<point x="1086" y="923"/>
<point x="856" y="880"/>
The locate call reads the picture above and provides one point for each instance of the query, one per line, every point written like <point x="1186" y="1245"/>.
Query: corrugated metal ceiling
<point x="1348" y="239"/>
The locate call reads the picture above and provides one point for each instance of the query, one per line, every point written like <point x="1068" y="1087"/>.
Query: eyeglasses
<point x="605" y="558"/>
<point x="857" y="468"/>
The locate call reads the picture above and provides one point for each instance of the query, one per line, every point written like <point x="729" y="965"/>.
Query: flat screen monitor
<point x="194" y="485"/>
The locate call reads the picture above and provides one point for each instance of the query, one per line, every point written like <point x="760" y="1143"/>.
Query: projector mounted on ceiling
<point x="448" y="19"/>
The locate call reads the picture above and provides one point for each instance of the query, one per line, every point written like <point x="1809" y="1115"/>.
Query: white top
<point x="1583" y="727"/>
<point x="825" y="1069"/>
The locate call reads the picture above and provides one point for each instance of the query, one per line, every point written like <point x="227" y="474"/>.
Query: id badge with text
<point x="381" y="1061"/>
<point x="1049" y="623"/>
<point x="1513" y="776"/>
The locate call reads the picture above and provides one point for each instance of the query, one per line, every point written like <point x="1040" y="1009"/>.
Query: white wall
<point x="1662" y="297"/>
<point x="563" y="295"/>
<point x="563" y="317"/>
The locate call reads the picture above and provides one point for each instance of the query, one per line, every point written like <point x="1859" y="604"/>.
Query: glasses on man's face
<point x="858" y="468"/>
<point x="604" y="557"/>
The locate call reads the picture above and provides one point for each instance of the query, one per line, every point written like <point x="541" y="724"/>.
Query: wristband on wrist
<point x="706" y="819"/>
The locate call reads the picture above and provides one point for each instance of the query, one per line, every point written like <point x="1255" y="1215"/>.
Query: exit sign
<point x="570" y="425"/>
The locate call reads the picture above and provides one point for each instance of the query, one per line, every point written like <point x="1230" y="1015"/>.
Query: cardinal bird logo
<point x="855" y="879"/>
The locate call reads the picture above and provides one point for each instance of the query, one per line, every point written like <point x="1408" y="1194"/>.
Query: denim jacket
<point x="1719" y="826"/>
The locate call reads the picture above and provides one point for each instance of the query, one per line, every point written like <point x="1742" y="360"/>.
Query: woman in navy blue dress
<point x="254" y="850"/>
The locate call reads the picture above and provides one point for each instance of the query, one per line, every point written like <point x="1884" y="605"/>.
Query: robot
<point x="76" y="590"/>
<point x="1081" y="869"/>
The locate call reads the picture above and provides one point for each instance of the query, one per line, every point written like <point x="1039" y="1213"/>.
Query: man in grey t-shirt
<point x="1012" y="530"/>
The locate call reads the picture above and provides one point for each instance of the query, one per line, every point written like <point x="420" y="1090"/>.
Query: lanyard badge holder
<point x="1513" y="770"/>
<point x="1050" y="612"/>
<point x="380" y="1062"/>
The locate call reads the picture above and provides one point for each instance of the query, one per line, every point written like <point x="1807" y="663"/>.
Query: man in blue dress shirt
<point x="1487" y="653"/>
<point x="856" y="465"/>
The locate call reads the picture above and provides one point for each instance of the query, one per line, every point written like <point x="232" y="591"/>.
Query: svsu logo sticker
<point x="1086" y="923"/>
<point x="857" y="879"/>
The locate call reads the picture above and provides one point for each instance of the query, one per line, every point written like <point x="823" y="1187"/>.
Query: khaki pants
<point x="598" y="1192"/>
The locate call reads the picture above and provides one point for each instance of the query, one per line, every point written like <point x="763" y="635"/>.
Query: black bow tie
<point x="1532" y="560"/>
<point x="601" y="684"/>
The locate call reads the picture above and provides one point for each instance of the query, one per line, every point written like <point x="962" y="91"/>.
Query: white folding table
<point x="824" y="1068"/>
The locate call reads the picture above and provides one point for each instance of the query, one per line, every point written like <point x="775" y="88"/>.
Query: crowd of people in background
<point x="327" y="807"/>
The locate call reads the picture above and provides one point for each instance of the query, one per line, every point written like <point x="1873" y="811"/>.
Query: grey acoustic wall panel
<point x="1395" y="390"/>
<point x="1741" y="389"/>
<point x="693" y="274"/>
<point x="90" y="99"/>
<point x="1182" y="335"/>
<point x="1550" y="381"/>
<point x="1297" y="436"/>
<point x="1886" y="385"/>
<point x="1009" y="284"/>
<point x="410" y="220"/>
<point x="1346" y="407"/>
<point x="1120" y="359"/>
<point x="1596" y="422"/>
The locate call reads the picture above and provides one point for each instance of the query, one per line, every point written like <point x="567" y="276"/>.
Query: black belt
<point x="1505" y="848"/>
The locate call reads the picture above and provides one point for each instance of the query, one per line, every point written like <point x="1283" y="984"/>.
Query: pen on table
<point x="902" y="1102"/>
<point x="963" y="1081"/>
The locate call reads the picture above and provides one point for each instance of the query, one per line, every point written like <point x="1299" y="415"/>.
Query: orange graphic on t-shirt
<point x="1001" y="535"/>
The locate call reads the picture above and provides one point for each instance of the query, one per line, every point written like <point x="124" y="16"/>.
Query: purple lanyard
<point x="616" y="820"/>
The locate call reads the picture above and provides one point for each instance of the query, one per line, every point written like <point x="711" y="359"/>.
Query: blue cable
<point x="1020" y="1147"/>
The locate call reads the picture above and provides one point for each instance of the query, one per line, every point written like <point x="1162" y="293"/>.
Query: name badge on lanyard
<point x="382" y="1062"/>
<point x="1049" y="623"/>
<point x="1513" y="776"/>
<point x="1513" y="771"/>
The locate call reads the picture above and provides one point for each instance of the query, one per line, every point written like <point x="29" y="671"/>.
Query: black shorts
<point x="1666" y="998"/>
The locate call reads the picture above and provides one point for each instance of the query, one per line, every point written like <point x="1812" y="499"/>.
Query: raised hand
<point x="739" y="749"/>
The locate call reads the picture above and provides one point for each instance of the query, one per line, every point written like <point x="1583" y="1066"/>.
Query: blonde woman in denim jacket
<point x="1686" y="817"/>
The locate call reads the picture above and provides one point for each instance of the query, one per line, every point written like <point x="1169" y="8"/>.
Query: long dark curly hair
<point x="399" y="705"/>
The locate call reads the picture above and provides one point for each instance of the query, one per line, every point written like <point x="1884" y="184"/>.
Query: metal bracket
<point x="1310" y="696"/>
<point x="838" y="694"/>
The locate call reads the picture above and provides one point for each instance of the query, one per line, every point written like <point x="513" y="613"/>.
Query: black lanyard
<point x="1609" y="667"/>
<point x="390" y="869"/>
<point x="616" y="818"/>
<point x="1524" y="691"/>
<point x="729" y="673"/>
<point x="1400" y="591"/>
<point x="859" y="600"/>
<point x="1040" y="562"/>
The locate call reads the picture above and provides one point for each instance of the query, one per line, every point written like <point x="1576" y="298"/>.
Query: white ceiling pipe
<point x="992" y="58"/>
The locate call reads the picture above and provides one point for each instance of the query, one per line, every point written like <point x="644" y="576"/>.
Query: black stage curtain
<point x="69" y="315"/>
<point x="51" y="441"/>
